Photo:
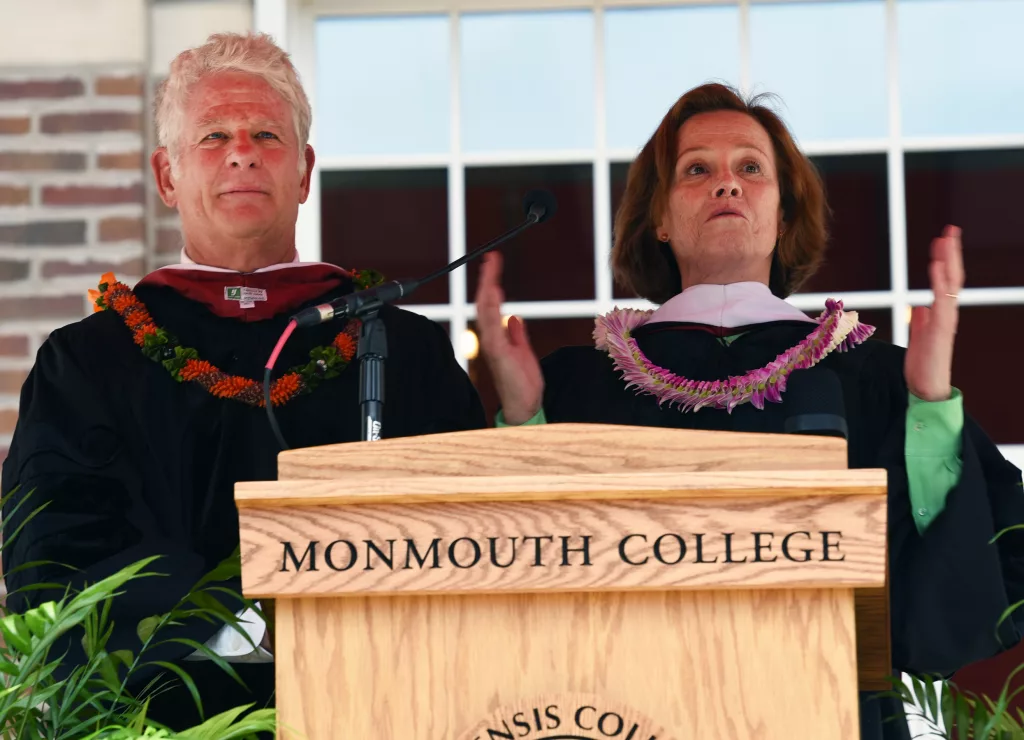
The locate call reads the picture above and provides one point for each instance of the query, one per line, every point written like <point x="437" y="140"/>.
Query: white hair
<point x="255" y="54"/>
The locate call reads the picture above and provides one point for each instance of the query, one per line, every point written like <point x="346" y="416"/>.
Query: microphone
<point x="814" y="404"/>
<point x="538" y="205"/>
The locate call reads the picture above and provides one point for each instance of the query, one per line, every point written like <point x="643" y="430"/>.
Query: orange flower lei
<point x="185" y="365"/>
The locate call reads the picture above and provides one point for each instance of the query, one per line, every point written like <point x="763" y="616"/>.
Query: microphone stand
<point x="372" y="353"/>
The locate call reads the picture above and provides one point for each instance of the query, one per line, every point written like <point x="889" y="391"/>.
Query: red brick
<point x="14" y="196"/>
<point x="43" y="307"/>
<point x="168" y="241"/>
<point x="90" y="122"/>
<point x="56" y="233"/>
<point x="93" y="195"/>
<point x="68" y="87"/>
<point x="8" y="418"/>
<point x="13" y="270"/>
<point x="117" y="229"/>
<point x="21" y="125"/>
<point x="30" y="161"/>
<point x="121" y="161"/>
<point x="13" y="345"/>
<point x="119" y="86"/>
<point x="60" y="268"/>
<point x="12" y="380"/>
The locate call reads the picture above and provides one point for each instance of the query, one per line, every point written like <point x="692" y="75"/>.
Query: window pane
<point x="527" y="81"/>
<point x="360" y="227"/>
<point x="979" y="191"/>
<point x="551" y="261"/>
<point x="546" y="335"/>
<point x="960" y="71"/>
<point x="382" y="85"/>
<point x="645" y="75"/>
<point x="983" y="348"/>
<point x="858" y="251"/>
<point x="827" y="63"/>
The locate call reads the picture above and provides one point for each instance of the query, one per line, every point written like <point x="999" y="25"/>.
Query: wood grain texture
<point x="563" y="449"/>
<point x="661" y="553"/>
<point x="747" y="664"/>
<point x="580" y="486"/>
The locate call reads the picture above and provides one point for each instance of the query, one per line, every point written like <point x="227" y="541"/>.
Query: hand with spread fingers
<point x="516" y="370"/>
<point x="928" y="367"/>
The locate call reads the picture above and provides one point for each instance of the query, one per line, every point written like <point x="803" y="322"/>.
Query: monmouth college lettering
<point x="540" y="551"/>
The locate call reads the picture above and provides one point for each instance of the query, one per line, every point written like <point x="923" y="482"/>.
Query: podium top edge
<point x="652" y="486"/>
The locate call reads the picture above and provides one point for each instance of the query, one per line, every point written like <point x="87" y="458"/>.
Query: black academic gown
<point x="949" y="586"/>
<point x="134" y="464"/>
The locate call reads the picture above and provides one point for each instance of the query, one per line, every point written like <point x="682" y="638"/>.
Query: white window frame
<point x="292" y="23"/>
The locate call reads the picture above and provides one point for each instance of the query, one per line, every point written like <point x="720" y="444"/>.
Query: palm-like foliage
<point x="92" y="702"/>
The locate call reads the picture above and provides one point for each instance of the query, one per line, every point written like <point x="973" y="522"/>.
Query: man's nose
<point x="243" y="154"/>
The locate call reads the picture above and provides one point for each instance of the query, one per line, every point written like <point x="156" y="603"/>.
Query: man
<point x="136" y="422"/>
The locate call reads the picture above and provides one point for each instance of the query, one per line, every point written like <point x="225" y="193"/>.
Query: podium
<point x="571" y="581"/>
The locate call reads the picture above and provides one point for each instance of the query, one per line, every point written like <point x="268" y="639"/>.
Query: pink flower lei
<point x="837" y="330"/>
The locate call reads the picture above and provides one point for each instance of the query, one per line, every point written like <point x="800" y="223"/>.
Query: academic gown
<point x="949" y="586"/>
<point x="134" y="464"/>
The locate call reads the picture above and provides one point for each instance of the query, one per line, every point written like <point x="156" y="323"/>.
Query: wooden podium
<point x="571" y="581"/>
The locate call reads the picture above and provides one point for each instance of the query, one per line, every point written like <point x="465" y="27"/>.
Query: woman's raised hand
<point x="513" y="364"/>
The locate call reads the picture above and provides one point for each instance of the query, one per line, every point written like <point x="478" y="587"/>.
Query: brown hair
<point x="645" y="265"/>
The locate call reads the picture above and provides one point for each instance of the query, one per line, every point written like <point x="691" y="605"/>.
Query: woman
<point x="722" y="218"/>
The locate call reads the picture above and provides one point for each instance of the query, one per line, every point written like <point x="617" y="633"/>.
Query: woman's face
<point x="723" y="215"/>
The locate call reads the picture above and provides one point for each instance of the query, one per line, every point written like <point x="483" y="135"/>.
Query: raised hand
<point x="514" y="366"/>
<point x="928" y="366"/>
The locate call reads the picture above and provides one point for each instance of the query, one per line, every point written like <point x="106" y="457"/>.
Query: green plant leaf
<point x="230" y="567"/>
<point x="934" y="715"/>
<point x="1007" y="612"/>
<point x="105" y="588"/>
<point x="10" y="515"/>
<point x="40" y="619"/>
<point x="221" y="663"/>
<point x="980" y="720"/>
<point x="1003" y="531"/>
<point x="147" y="627"/>
<point x="16" y="633"/>
<point x="963" y="717"/>
<point x="108" y="672"/>
<point x="232" y="594"/>
<point x="186" y="679"/>
<point x="948" y="705"/>
<point x="920" y="694"/>
<point x="223" y="727"/>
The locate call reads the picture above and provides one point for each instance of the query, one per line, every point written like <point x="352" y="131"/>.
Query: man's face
<point x="236" y="180"/>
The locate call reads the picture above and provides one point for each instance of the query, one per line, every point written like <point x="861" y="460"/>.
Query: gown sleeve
<point x="69" y="454"/>
<point x="449" y="401"/>
<point x="949" y="583"/>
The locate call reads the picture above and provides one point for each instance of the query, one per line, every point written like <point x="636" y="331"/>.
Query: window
<point x="432" y="126"/>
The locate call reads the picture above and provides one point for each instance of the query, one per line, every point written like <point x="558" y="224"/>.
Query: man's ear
<point x="160" y="161"/>
<point x="307" y="176"/>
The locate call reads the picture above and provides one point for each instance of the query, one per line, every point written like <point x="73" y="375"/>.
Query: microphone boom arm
<point x="366" y="304"/>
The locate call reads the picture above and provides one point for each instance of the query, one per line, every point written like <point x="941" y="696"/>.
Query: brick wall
<point x="73" y="188"/>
